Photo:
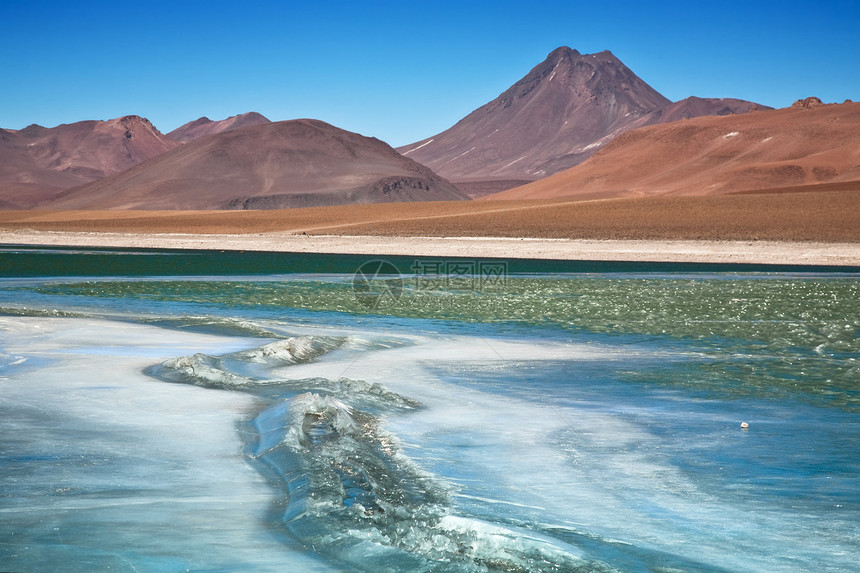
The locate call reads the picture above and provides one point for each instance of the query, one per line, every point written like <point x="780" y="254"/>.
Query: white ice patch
<point x="417" y="148"/>
<point x="292" y="350"/>
<point x="315" y="406"/>
<point x="461" y="155"/>
<point x="204" y="368"/>
<point x="731" y="134"/>
<point x="10" y="360"/>
<point x="552" y="75"/>
<point x="514" y="161"/>
<point x="124" y="448"/>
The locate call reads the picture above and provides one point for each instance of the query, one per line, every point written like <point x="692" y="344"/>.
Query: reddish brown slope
<point x="286" y="164"/>
<point x="37" y="162"/>
<point x="715" y="155"/>
<point x="205" y="126"/>
<point x="562" y="112"/>
<point x="697" y="107"/>
<point x="545" y="122"/>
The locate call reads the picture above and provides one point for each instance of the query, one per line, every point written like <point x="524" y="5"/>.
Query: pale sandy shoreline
<point x="681" y="251"/>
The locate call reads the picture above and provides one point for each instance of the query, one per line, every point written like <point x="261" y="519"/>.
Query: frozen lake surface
<point x="561" y="423"/>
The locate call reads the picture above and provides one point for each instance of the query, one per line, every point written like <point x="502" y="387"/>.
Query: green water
<point x="776" y="330"/>
<point x="774" y="334"/>
<point x="36" y="261"/>
<point x="594" y="405"/>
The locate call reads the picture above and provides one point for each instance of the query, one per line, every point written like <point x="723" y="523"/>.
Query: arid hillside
<point x="806" y="144"/>
<point x="38" y="162"/>
<point x="205" y="126"/>
<point x="296" y="163"/>
<point x="563" y="111"/>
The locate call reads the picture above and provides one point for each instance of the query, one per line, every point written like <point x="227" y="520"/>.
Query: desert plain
<point x="817" y="224"/>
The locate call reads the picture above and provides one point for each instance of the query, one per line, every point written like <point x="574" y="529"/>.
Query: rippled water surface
<point x="576" y="421"/>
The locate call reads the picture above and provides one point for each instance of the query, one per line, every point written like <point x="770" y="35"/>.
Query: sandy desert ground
<point x="819" y="225"/>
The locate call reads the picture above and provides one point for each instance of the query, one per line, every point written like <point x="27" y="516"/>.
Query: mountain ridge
<point x="559" y="114"/>
<point x="37" y="162"/>
<point x="296" y="163"/>
<point x="556" y="116"/>
<point x="711" y="155"/>
<point x="204" y="126"/>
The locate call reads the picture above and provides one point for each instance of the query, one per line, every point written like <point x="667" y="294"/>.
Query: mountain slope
<point x="205" y="126"/>
<point x="37" y="162"/>
<point x="544" y="122"/>
<point x="558" y="115"/>
<point x="285" y="164"/>
<point x="714" y="155"/>
<point x="697" y="107"/>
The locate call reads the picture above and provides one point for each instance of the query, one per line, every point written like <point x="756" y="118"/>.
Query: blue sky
<point x="399" y="71"/>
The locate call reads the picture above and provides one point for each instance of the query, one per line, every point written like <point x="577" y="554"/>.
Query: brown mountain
<point x="676" y="111"/>
<point x="696" y="107"/>
<point x="544" y="122"/>
<point x="559" y="114"/>
<point x="805" y="144"/>
<point x="205" y="126"/>
<point x="38" y="162"/>
<point x="285" y="164"/>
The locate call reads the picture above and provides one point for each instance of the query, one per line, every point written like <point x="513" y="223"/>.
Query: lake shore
<point x="698" y="251"/>
<point x="813" y="225"/>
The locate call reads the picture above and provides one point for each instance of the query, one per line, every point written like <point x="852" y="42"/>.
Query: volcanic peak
<point x="552" y="118"/>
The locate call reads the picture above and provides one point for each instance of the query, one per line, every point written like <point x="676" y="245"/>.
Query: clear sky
<point x="399" y="71"/>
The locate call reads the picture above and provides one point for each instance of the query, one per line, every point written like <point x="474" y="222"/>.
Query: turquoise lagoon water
<point x="187" y="411"/>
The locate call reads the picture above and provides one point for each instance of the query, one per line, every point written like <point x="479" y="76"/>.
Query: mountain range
<point x="38" y="162"/>
<point x="580" y="125"/>
<point x="299" y="163"/>
<point x="807" y="144"/>
<point x="562" y="112"/>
